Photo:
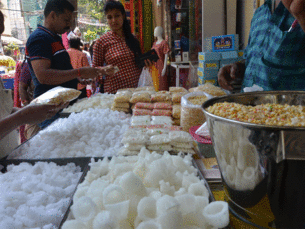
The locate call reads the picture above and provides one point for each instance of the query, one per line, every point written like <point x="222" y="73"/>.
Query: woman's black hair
<point x="131" y="41"/>
<point x="75" y="43"/>
<point x="91" y="48"/>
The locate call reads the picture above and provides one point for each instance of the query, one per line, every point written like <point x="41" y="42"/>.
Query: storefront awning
<point x="6" y="40"/>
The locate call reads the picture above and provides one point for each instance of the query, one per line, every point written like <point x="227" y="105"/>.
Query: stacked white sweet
<point x="145" y="191"/>
<point x="158" y="138"/>
<point x="100" y="101"/>
<point x="36" y="196"/>
<point x="95" y="132"/>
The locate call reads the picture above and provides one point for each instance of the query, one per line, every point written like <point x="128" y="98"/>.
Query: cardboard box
<point x="227" y="61"/>
<point x="202" y="81"/>
<point x="240" y="54"/>
<point x="209" y="65"/>
<point x="222" y="43"/>
<point x="208" y="56"/>
<point x="205" y="75"/>
<point x="229" y="55"/>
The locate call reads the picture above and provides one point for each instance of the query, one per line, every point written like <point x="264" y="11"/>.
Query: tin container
<point x="271" y="193"/>
<point x="81" y="162"/>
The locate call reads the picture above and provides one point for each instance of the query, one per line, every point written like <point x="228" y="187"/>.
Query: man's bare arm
<point x="46" y="75"/>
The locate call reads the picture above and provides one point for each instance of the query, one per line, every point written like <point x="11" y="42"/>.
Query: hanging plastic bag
<point x="145" y="78"/>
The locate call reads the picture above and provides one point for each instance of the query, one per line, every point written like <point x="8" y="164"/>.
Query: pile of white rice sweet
<point x="95" y="132"/>
<point x="99" y="101"/>
<point x="148" y="191"/>
<point x="36" y="196"/>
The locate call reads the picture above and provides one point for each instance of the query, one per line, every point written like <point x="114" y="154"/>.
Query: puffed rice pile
<point x="267" y="114"/>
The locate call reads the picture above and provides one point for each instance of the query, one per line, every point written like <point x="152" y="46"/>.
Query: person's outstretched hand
<point x="108" y="70"/>
<point x="36" y="113"/>
<point x="90" y="73"/>
<point x="231" y="74"/>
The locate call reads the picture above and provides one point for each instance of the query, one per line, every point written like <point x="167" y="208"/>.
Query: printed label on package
<point x="223" y="43"/>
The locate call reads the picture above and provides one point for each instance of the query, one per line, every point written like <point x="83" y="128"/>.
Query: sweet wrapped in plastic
<point x="161" y="96"/>
<point x="134" y="131"/>
<point x="141" y="112"/>
<point x="188" y="145"/>
<point x="154" y="127"/>
<point x="177" y="111"/>
<point x="135" y="139"/>
<point x="173" y="128"/>
<point x="159" y="139"/>
<point x="126" y="152"/>
<point x="122" y="96"/>
<point x="56" y="96"/>
<point x="126" y="110"/>
<point x="191" y="115"/>
<point x="161" y="120"/>
<point x="177" y="121"/>
<point x="160" y="147"/>
<point x="177" y="89"/>
<point x="176" y="97"/>
<point x="149" y="106"/>
<point x="140" y="120"/>
<point x="141" y="96"/>
<point x="163" y="106"/>
<point x="134" y="147"/>
<point x="210" y="89"/>
<point x="121" y="105"/>
<point x="157" y="112"/>
<point x="183" y="150"/>
<point x="157" y="131"/>
<point x="180" y="136"/>
<point x="146" y="88"/>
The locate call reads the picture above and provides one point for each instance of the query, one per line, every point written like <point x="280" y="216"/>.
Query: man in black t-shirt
<point x="49" y="62"/>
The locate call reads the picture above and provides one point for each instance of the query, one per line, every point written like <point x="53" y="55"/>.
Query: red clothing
<point x="112" y="49"/>
<point x="78" y="60"/>
<point x="161" y="49"/>
<point x="17" y="101"/>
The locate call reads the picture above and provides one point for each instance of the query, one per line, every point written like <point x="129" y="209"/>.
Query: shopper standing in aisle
<point x="118" y="47"/>
<point x="78" y="60"/>
<point x="275" y="55"/>
<point x="12" y="117"/>
<point x="48" y="59"/>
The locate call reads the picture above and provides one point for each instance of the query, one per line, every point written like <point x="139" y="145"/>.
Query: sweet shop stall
<point x="124" y="160"/>
<point x="7" y="71"/>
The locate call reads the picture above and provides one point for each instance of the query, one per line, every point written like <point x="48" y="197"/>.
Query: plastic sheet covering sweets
<point x="36" y="196"/>
<point x="56" y="96"/>
<point x="145" y="191"/>
<point x="95" y="132"/>
<point x="100" y="101"/>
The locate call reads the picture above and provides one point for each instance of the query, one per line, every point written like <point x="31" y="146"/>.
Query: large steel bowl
<point x="262" y="167"/>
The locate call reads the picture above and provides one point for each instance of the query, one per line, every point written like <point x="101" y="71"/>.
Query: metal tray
<point x="83" y="163"/>
<point x="64" y="114"/>
<point x="199" y="174"/>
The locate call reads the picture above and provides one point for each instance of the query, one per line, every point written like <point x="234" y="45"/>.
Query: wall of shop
<point x="245" y="11"/>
